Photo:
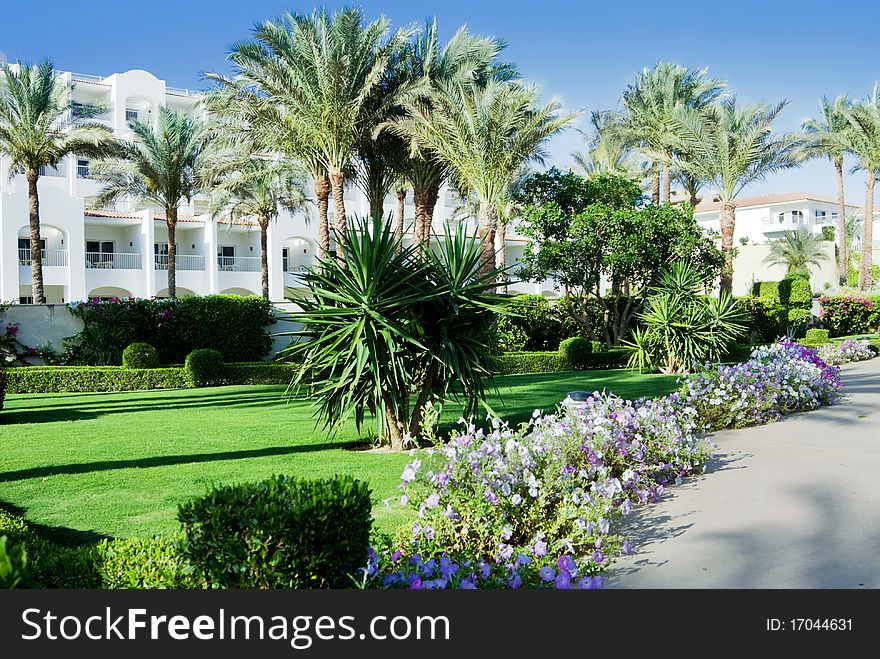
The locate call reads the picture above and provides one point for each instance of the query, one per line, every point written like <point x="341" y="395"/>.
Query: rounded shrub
<point x="279" y="533"/>
<point x="140" y="355"/>
<point x="205" y="368"/>
<point x="816" y="336"/>
<point x="576" y="350"/>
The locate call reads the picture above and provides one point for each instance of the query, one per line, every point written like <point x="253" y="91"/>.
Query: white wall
<point x="749" y="266"/>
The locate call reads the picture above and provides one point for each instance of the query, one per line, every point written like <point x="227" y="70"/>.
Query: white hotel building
<point x="122" y="251"/>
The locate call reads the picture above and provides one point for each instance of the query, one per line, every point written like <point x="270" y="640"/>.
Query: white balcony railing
<point x="180" y="91"/>
<point x="50" y="257"/>
<point x="113" y="261"/>
<point x="295" y="269"/>
<point x="239" y="263"/>
<point x="181" y="262"/>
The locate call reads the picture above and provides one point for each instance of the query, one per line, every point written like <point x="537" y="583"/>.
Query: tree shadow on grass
<point x="59" y="535"/>
<point x="168" y="460"/>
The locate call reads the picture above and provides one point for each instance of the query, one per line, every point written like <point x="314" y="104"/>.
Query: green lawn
<point x="92" y="465"/>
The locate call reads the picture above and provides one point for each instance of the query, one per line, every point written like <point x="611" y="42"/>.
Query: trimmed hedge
<point x="790" y="292"/>
<point x="84" y="379"/>
<point x="205" y="368"/>
<point x="816" y="336"/>
<point x="140" y="355"/>
<point x="279" y="533"/>
<point x="57" y="379"/>
<point x="576" y="351"/>
<point x="514" y="363"/>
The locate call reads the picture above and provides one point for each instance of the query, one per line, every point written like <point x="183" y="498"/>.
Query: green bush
<point x="768" y="291"/>
<point x="50" y="565"/>
<point x="232" y="325"/>
<point x="532" y="325"/>
<point x="143" y="563"/>
<point x="13" y="565"/>
<point x="828" y="233"/>
<point x="766" y="320"/>
<point x="513" y="363"/>
<point x="816" y="336"/>
<point x="205" y="368"/>
<point x="846" y="315"/>
<point x="576" y="351"/>
<point x="739" y="352"/>
<point x="55" y="379"/>
<point x="613" y="358"/>
<point x="797" y="321"/>
<point x="799" y="293"/>
<point x="2" y="387"/>
<point x="140" y="355"/>
<point x="260" y="373"/>
<point x="279" y="533"/>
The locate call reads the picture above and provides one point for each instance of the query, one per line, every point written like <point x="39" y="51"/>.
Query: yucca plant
<point x="682" y="327"/>
<point x="390" y="322"/>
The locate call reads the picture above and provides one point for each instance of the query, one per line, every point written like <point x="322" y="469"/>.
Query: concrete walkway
<point x="794" y="504"/>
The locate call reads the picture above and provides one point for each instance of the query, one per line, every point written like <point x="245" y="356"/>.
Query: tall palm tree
<point x="268" y="126"/>
<point x="730" y="146"/>
<point x="691" y="185"/>
<point x="163" y="165"/>
<point x="33" y="104"/>
<point x="650" y="103"/>
<point x="257" y="187"/>
<point x="485" y="133"/>
<point x="427" y="64"/>
<point x="797" y="251"/>
<point x="326" y="70"/>
<point x="830" y="135"/>
<point x="864" y="143"/>
<point x="609" y="149"/>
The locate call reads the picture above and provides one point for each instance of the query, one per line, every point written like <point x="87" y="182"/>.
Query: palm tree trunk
<point x="393" y="425"/>
<point x="667" y="184"/>
<point x="37" y="291"/>
<point x="655" y="188"/>
<point x="728" y="222"/>
<point x="843" y="256"/>
<point x="425" y="200"/>
<point x="401" y="210"/>
<point x="502" y="256"/>
<point x="322" y="198"/>
<point x="171" y="223"/>
<point x="264" y="254"/>
<point x="337" y="185"/>
<point x="488" y="224"/>
<point x="867" y="235"/>
<point x="377" y="206"/>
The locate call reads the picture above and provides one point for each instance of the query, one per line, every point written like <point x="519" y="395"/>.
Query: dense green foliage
<point x="205" y="368"/>
<point x="682" y="327"/>
<point x="232" y="325"/>
<point x="140" y="355"/>
<point x="843" y="315"/>
<point x="391" y="320"/>
<point x="816" y="336"/>
<point x="576" y="351"/>
<point x="279" y="533"/>
<point x="585" y="232"/>
<point x="778" y="308"/>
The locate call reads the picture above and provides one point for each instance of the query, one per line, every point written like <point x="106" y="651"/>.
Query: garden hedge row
<point x="513" y="363"/>
<point x="83" y="379"/>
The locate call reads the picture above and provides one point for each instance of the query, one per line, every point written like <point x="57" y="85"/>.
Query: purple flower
<point x="547" y="573"/>
<point x="515" y="581"/>
<point x="540" y="548"/>
<point x="627" y="548"/>
<point x="396" y="556"/>
<point x="598" y="556"/>
<point x="432" y="500"/>
<point x="563" y="581"/>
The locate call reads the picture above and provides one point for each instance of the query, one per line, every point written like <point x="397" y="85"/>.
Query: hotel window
<point x="99" y="253"/>
<point x="226" y="257"/>
<point x="131" y="115"/>
<point x="24" y="250"/>
<point x="82" y="168"/>
<point x="797" y="217"/>
<point x="820" y="217"/>
<point x="26" y="300"/>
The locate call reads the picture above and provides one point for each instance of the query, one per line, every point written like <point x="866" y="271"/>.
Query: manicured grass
<point x="118" y="464"/>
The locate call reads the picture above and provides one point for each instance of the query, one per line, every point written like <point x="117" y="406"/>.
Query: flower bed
<point x="846" y="352"/>
<point x="536" y="506"/>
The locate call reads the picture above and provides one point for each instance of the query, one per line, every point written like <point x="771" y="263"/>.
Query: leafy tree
<point x="594" y="249"/>
<point x="683" y="328"/>
<point x="33" y="134"/>
<point x="391" y="321"/>
<point x="797" y="251"/>
<point x="163" y="165"/>
<point x="830" y="138"/>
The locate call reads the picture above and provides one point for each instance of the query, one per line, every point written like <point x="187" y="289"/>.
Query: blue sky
<point x="585" y="52"/>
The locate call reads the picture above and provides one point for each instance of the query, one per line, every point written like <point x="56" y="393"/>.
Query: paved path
<point x="794" y="504"/>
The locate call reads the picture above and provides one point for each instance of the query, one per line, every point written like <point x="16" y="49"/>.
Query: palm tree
<point x="326" y="71"/>
<point x="257" y="187"/>
<point x="864" y="144"/>
<point x="609" y="149"/>
<point x="690" y="184"/>
<point x="730" y="146"/>
<point x="428" y="65"/>
<point x="797" y="251"/>
<point x="650" y="103"/>
<point x="271" y="127"/>
<point x="485" y="133"/>
<point x="830" y="134"/>
<point x="33" y="105"/>
<point x="164" y="165"/>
